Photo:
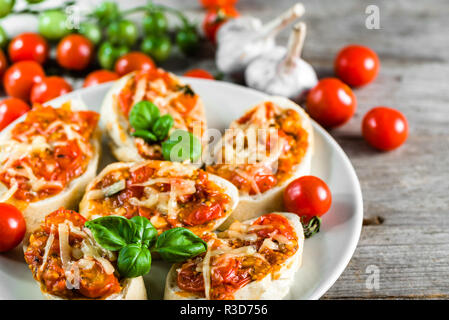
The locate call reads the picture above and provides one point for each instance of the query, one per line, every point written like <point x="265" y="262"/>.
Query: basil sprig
<point x="136" y="238"/>
<point x="147" y="122"/>
<point x="180" y="146"/>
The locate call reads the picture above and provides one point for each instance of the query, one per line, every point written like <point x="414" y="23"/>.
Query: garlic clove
<point x="282" y="71"/>
<point x="243" y="39"/>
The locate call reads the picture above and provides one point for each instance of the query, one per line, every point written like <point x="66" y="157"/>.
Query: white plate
<point x="325" y="254"/>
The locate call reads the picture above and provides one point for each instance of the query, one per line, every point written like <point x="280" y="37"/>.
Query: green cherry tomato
<point x="187" y="40"/>
<point x="6" y="7"/>
<point x="155" y="23"/>
<point x="158" y="47"/>
<point x="91" y="31"/>
<point x="108" y="54"/>
<point x="107" y="11"/>
<point x="52" y="24"/>
<point x="122" y="32"/>
<point x="3" y="38"/>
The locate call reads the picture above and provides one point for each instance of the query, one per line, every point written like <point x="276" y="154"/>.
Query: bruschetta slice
<point x="47" y="158"/>
<point x="169" y="194"/>
<point x="163" y="89"/>
<point x="253" y="260"/>
<point x="68" y="264"/>
<point x="262" y="152"/>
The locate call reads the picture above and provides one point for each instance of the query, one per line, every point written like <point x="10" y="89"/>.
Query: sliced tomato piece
<point x="59" y="216"/>
<point x="96" y="283"/>
<point x="189" y="279"/>
<point x="275" y="224"/>
<point x="203" y="213"/>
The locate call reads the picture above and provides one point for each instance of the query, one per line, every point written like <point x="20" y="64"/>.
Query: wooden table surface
<point x="406" y="202"/>
<point x="405" y="192"/>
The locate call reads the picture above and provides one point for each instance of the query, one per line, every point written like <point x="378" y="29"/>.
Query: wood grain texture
<point x="406" y="231"/>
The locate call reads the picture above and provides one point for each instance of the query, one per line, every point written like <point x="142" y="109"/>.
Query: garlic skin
<point x="270" y="73"/>
<point x="239" y="43"/>
<point x="241" y="40"/>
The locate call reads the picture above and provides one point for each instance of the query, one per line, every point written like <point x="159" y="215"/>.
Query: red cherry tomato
<point x="385" y="128"/>
<point x="74" y="52"/>
<point x="331" y="103"/>
<point x="357" y="65"/>
<point x="215" y="17"/>
<point x="217" y="3"/>
<point x="308" y="197"/>
<point x="10" y="110"/>
<point x="28" y="46"/>
<point x="20" y="78"/>
<point x="12" y="227"/>
<point x="99" y="76"/>
<point x="133" y="61"/>
<point x="3" y="63"/>
<point x="49" y="88"/>
<point x="199" y="73"/>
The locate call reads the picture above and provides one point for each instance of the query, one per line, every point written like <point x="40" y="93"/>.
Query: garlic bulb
<point x="282" y="71"/>
<point x="243" y="39"/>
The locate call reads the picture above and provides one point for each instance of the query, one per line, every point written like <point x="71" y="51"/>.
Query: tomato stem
<point x="312" y="227"/>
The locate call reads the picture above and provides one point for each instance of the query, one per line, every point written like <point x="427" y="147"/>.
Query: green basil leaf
<point x="179" y="244"/>
<point x="143" y="115"/>
<point x="134" y="261"/>
<point x="162" y="126"/>
<point x="180" y="146"/>
<point x="146" y="135"/>
<point x="145" y="232"/>
<point x="112" y="232"/>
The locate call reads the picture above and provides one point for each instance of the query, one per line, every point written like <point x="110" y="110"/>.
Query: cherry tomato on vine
<point x="3" y="38"/>
<point x="123" y="32"/>
<point x="49" y="88"/>
<point x="356" y="65"/>
<point x="28" y="46"/>
<point x="331" y="102"/>
<point x="199" y="73"/>
<point x="217" y="3"/>
<point x="20" y="78"/>
<point x="109" y="53"/>
<point x="385" y="128"/>
<point x="91" y="31"/>
<point x="107" y="11"/>
<point x="99" y="76"/>
<point x="12" y="227"/>
<point x="155" y="23"/>
<point x="308" y="197"/>
<point x="187" y="40"/>
<point x="6" y="7"/>
<point x="52" y="24"/>
<point x="133" y="61"/>
<point x="215" y="18"/>
<point x="10" y="110"/>
<point x="74" y="52"/>
<point x="157" y="46"/>
<point x="3" y="63"/>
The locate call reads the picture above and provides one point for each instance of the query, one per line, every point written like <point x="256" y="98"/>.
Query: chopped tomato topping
<point x="95" y="283"/>
<point x="202" y="213"/>
<point x="227" y="277"/>
<point x="189" y="279"/>
<point x="62" y="152"/>
<point x="60" y="216"/>
<point x="276" y="224"/>
<point x="125" y="99"/>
